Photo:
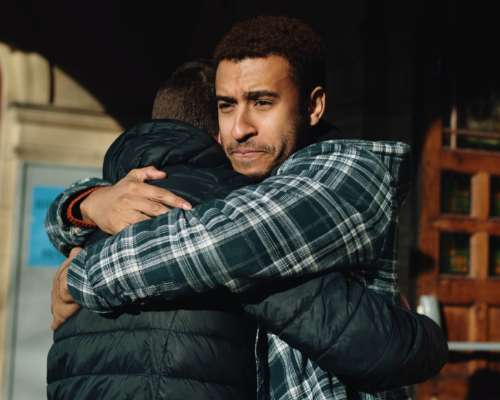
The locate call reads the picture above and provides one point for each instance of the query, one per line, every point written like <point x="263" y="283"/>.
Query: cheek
<point x="224" y="130"/>
<point x="271" y="126"/>
<point x="280" y="131"/>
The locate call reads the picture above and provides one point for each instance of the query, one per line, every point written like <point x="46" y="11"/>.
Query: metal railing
<point x="474" y="346"/>
<point x="428" y="305"/>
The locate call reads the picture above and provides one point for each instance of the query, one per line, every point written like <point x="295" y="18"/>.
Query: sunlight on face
<point x="258" y="105"/>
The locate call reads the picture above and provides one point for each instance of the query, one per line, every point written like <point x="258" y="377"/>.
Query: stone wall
<point x="48" y="118"/>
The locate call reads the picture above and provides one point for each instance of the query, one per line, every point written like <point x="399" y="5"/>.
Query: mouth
<point x="246" y="154"/>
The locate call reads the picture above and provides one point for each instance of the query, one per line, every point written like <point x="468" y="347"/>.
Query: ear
<point x="317" y="104"/>
<point x="217" y="138"/>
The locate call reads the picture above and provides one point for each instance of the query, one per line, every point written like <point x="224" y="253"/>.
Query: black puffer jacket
<point x="197" y="349"/>
<point x="360" y="336"/>
<point x="351" y="324"/>
<point x="349" y="330"/>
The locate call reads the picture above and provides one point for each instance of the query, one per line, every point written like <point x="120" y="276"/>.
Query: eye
<point x="263" y="103"/>
<point x="224" y="106"/>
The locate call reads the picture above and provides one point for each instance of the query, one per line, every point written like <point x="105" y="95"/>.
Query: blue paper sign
<point x="41" y="252"/>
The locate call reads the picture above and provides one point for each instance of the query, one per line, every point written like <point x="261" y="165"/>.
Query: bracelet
<point x="70" y="215"/>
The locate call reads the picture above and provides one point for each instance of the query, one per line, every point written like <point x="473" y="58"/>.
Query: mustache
<point x="233" y="147"/>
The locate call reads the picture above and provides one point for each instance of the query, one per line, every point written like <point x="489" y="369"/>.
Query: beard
<point x="270" y="156"/>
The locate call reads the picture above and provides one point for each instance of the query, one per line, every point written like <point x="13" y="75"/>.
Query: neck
<point x="321" y="131"/>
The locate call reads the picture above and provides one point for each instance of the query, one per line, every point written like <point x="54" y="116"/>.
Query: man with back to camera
<point x="163" y="351"/>
<point x="89" y="358"/>
<point x="332" y="204"/>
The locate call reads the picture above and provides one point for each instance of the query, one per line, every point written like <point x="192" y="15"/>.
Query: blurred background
<point x="74" y="75"/>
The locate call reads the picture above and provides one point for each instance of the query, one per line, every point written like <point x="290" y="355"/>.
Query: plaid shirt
<point x="331" y="205"/>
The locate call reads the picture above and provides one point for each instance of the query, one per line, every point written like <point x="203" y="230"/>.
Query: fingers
<point x="157" y="194"/>
<point x="64" y="293"/>
<point x="131" y="191"/>
<point x="74" y="252"/>
<point x="404" y="302"/>
<point x="61" y="312"/>
<point x="144" y="205"/>
<point x="140" y="175"/>
<point x="127" y="219"/>
<point x="130" y="201"/>
<point x="62" y="303"/>
<point x="172" y="200"/>
<point x="146" y="173"/>
<point x="61" y="281"/>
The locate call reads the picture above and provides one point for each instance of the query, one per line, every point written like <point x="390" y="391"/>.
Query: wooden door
<point x="459" y="241"/>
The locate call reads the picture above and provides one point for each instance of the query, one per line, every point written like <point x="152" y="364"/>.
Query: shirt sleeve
<point x="327" y="318"/>
<point x="327" y="207"/>
<point x="63" y="235"/>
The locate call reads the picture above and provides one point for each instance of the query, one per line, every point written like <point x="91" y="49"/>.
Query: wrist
<point x="84" y="207"/>
<point x="78" y="209"/>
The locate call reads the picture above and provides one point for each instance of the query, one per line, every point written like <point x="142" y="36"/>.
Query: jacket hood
<point x="161" y="143"/>
<point x="396" y="157"/>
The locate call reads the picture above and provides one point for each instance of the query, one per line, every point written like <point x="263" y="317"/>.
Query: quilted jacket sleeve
<point x="354" y="333"/>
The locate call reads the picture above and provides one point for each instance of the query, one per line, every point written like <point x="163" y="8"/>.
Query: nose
<point x="243" y="127"/>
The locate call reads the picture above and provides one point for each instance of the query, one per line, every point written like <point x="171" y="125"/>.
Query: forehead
<point x="235" y="78"/>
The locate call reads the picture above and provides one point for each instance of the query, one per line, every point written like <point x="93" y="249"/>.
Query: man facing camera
<point x="319" y="205"/>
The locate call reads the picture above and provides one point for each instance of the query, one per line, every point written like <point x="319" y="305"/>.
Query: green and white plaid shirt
<point x="332" y="205"/>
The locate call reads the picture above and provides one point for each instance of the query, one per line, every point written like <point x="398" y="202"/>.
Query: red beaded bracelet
<point x="82" y="223"/>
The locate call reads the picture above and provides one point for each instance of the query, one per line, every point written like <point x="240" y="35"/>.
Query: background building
<point x="72" y="76"/>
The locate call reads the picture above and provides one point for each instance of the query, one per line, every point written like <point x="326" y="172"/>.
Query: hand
<point x="62" y="304"/>
<point x="404" y="302"/>
<point x="130" y="200"/>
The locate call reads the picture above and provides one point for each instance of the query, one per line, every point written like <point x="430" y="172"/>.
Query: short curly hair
<point x="189" y="96"/>
<point x="287" y="37"/>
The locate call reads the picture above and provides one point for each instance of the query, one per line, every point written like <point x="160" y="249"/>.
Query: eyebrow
<point x="253" y="95"/>
<point x="226" y="99"/>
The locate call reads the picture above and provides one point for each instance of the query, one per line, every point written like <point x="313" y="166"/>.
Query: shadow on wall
<point x="420" y="263"/>
<point x="484" y="385"/>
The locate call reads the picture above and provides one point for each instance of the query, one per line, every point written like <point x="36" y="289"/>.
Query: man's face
<point x="259" y="117"/>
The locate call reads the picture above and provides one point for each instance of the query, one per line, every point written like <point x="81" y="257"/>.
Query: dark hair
<point x="287" y="37"/>
<point x="188" y="95"/>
